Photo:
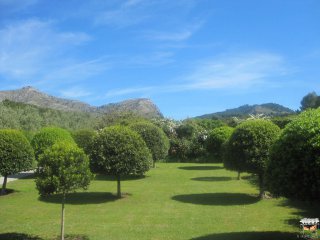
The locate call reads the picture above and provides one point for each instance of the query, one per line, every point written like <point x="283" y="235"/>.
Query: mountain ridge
<point x="30" y="95"/>
<point x="268" y="109"/>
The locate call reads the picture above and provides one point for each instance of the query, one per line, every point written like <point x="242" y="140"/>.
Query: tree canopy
<point x="216" y="141"/>
<point x="311" y="100"/>
<point x="294" y="167"/>
<point x="249" y="147"/>
<point x="16" y="154"/>
<point x="154" y="137"/>
<point x="120" y="151"/>
<point x="48" y="136"/>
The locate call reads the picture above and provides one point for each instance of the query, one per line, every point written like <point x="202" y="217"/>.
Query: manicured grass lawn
<point x="174" y="201"/>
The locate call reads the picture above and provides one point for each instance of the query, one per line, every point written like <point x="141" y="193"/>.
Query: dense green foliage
<point x="48" y="136"/>
<point x="16" y="154"/>
<point x="188" y="142"/>
<point x="294" y="168"/>
<point x="62" y="168"/>
<point x="249" y="146"/>
<point x="120" y="151"/>
<point x="154" y="137"/>
<point x="32" y="118"/>
<point x="311" y="100"/>
<point x="216" y="140"/>
<point x="209" y="124"/>
<point x="119" y="118"/>
<point x="84" y="138"/>
<point x="281" y="122"/>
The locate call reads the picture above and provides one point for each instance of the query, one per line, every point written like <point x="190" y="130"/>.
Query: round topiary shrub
<point x="248" y="148"/>
<point x="216" y="140"/>
<point x="48" y="136"/>
<point x="120" y="151"/>
<point x="62" y="168"/>
<point x="294" y="167"/>
<point x="154" y="137"/>
<point x="84" y="138"/>
<point x="16" y="154"/>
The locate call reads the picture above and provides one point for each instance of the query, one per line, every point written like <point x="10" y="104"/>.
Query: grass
<point x="174" y="201"/>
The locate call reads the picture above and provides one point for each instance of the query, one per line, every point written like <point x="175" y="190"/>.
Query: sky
<point x="190" y="57"/>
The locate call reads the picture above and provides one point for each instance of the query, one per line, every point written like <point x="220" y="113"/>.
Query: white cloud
<point x="179" y="35"/>
<point x="13" y="6"/>
<point x="241" y="71"/>
<point x="77" y="71"/>
<point x="34" y="52"/>
<point x="126" y="91"/>
<point x="75" y="92"/>
<point x="227" y="73"/>
<point x="30" y="47"/>
<point x="129" y="13"/>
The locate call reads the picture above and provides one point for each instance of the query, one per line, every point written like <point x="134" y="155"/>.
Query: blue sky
<point x="191" y="57"/>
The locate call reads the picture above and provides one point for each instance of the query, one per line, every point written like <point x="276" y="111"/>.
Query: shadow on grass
<point x="73" y="237"/>
<point x="305" y="210"/>
<point x="212" y="179"/>
<point x="201" y="168"/>
<point x="81" y="198"/>
<point x="102" y="177"/>
<point x="23" y="236"/>
<point x="8" y="192"/>
<point x="250" y="236"/>
<point x="18" y="236"/>
<point x="222" y="199"/>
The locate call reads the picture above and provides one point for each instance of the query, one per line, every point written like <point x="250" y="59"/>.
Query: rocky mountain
<point x="143" y="106"/>
<point x="30" y="95"/>
<point x="268" y="109"/>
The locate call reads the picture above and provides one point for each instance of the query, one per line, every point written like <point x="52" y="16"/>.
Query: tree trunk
<point x="239" y="175"/>
<point x="4" y="185"/>
<point x="119" y="186"/>
<point x="153" y="163"/>
<point x="261" y="186"/>
<point x="62" y="215"/>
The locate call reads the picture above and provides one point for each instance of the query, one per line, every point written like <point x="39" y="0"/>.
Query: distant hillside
<point x="30" y="95"/>
<point x="31" y="118"/>
<point x="268" y="109"/>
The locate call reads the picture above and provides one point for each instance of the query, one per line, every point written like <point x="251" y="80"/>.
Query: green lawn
<point x="174" y="201"/>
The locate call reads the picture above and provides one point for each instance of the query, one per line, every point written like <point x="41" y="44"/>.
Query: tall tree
<point x="311" y="100"/>
<point x="120" y="151"/>
<point x="62" y="168"/>
<point x="250" y="145"/>
<point x="16" y="154"/>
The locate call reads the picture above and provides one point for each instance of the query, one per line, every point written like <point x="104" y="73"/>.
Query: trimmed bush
<point x="294" y="167"/>
<point x="84" y="138"/>
<point x="16" y="154"/>
<point x="62" y="168"/>
<point x="249" y="146"/>
<point x="120" y="151"/>
<point x="216" y="140"/>
<point x="154" y="137"/>
<point x="48" y="136"/>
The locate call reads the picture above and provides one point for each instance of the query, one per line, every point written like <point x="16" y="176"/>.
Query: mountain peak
<point x="30" y="95"/>
<point x="29" y="88"/>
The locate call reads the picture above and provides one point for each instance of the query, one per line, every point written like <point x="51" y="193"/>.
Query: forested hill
<point x="32" y="118"/>
<point x="30" y="95"/>
<point x="268" y="109"/>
